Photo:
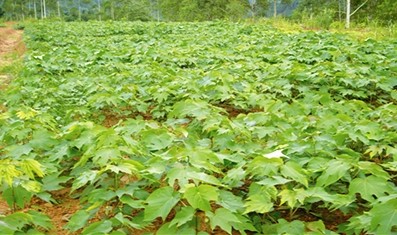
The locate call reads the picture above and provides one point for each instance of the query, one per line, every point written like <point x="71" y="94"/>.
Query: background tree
<point x="276" y="3"/>
<point x="361" y="11"/>
<point x="132" y="10"/>
<point x="258" y="7"/>
<point x="387" y="11"/>
<point x="324" y="12"/>
<point x="200" y="10"/>
<point x="237" y="9"/>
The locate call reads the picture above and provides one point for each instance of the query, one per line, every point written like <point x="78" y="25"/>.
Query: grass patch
<point x="360" y="31"/>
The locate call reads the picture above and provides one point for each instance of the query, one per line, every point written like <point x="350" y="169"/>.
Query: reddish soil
<point x="4" y="208"/>
<point x="59" y="213"/>
<point x="10" y="43"/>
<point x="11" y="48"/>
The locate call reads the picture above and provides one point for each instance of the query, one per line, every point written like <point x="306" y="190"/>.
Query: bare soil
<point x="60" y="212"/>
<point x="11" y="49"/>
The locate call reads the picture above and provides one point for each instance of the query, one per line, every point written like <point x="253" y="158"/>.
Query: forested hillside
<point x="381" y="11"/>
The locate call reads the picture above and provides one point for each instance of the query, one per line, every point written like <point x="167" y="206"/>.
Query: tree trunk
<point x="41" y="9"/>
<point x="347" y="14"/>
<point x="112" y="10"/>
<point x="35" y="9"/>
<point x="158" y="10"/>
<point x="14" y="16"/>
<point x="59" y="9"/>
<point x="275" y="8"/>
<point x="44" y="9"/>
<point x="22" y="12"/>
<point x="99" y="10"/>
<point x="79" y="11"/>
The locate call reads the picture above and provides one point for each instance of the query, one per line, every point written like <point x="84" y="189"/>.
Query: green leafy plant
<point x="197" y="128"/>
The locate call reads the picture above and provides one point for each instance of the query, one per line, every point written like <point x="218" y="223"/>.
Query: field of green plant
<point x="201" y="128"/>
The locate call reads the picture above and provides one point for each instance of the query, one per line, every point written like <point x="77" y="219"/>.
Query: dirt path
<point x="11" y="49"/>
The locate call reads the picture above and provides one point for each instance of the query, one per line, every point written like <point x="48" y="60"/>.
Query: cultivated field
<point x="199" y="128"/>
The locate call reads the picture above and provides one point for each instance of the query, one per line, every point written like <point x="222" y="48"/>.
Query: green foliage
<point x="236" y="126"/>
<point x="194" y="10"/>
<point x="322" y="13"/>
<point x="31" y="222"/>
<point x="201" y="196"/>
<point x="160" y="203"/>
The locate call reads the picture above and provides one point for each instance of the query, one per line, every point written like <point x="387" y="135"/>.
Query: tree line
<point x="382" y="11"/>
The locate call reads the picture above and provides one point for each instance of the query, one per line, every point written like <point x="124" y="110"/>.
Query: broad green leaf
<point x="134" y="203"/>
<point x="374" y="169"/>
<point x="183" y="216"/>
<point x="100" y="194"/>
<point x="45" y="196"/>
<point x="83" y="179"/>
<point x="294" y="227"/>
<point x="199" y="197"/>
<point x="17" y="151"/>
<point x="230" y="201"/>
<point x="156" y="139"/>
<point x="119" y="232"/>
<point x="384" y="217"/>
<point x="244" y="224"/>
<point x="42" y="139"/>
<point x="203" y="158"/>
<point x="197" y="109"/>
<point x="335" y="170"/>
<point x="86" y="138"/>
<point x="234" y="177"/>
<point x="316" y="194"/>
<point x="166" y="229"/>
<point x="258" y="203"/>
<point x="100" y="227"/>
<point x="223" y="218"/>
<point x="7" y="229"/>
<point x="317" y="227"/>
<point x="275" y="180"/>
<point x="17" y="220"/>
<point x="18" y="195"/>
<point x="52" y="182"/>
<point x="103" y="156"/>
<point x="126" y="221"/>
<point x="203" y="177"/>
<point x="41" y="220"/>
<point x="294" y="171"/>
<point x="289" y="196"/>
<point x="160" y="203"/>
<point x="369" y="187"/>
<point x="179" y="174"/>
<point x="34" y="231"/>
<point x="261" y="166"/>
<point x="359" y="223"/>
<point x="78" y="220"/>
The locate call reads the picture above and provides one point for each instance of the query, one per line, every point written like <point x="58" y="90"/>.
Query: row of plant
<point x="198" y="128"/>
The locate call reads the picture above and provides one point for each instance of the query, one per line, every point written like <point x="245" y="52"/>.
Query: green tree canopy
<point x="201" y="10"/>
